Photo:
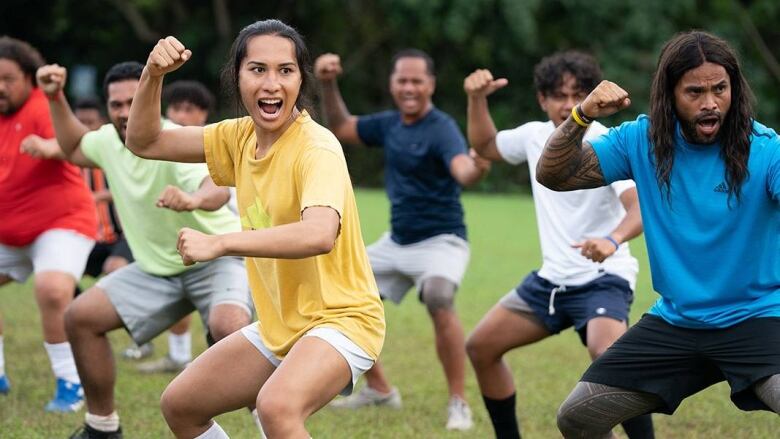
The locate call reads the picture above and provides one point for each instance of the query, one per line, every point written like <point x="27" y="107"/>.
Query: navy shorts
<point x="674" y="362"/>
<point x="605" y="296"/>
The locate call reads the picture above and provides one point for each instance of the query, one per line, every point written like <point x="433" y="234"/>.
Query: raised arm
<point x="567" y="163"/>
<point x="480" y="128"/>
<point x="67" y="128"/>
<point x="145" y="136"/>
<point x="327" y="69"/>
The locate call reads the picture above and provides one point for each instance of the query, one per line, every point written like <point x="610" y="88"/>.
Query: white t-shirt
<point x="567" y="217"/>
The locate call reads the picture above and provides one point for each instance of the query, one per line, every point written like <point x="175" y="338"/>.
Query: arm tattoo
<point x="568" y="164"/>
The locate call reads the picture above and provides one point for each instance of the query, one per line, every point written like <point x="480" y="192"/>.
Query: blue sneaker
<point x="69" y="397"/>
<point x="5" y="386"/>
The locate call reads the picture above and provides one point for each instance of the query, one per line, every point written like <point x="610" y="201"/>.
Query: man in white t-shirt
<point x="588" y="275"/>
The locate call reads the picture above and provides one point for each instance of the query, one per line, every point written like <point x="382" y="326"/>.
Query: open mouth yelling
<point x="270" y="109"/>
<point x="708" y="125"/>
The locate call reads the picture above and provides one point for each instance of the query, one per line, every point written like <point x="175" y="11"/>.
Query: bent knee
<point x="227" y="320"/>
<point x="438" y="294"/>
<point x="275" y="409"/>
<point x="174" y="404"/>
<point x="479" y="351"/>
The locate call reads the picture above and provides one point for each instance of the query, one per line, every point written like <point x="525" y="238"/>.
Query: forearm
<point x="143" y="126"/>
<point x="333" y="105"/>
<point x="211" y="197"/>
<point x="565" y="163"/>
<point x="290" y="241"/>
<point x="481" y="130"/>
<point x="67" y="127"/>
<point x="631" y="225"/>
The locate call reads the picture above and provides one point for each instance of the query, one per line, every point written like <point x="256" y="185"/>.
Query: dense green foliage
<point x="507" y="36"/>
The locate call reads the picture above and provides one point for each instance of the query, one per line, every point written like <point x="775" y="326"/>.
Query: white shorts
<point x="61" y="250"/>
<point x="358" y="360"/>
<point x="399" y="267"/>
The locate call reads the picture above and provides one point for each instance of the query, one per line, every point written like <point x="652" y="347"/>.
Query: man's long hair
<point x="684" y="52"/>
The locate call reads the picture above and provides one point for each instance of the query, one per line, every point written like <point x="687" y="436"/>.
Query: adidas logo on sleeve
<point x="722" y="188"/>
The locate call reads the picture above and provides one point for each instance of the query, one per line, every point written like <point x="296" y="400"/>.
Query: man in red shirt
<point x="48" y="225"/>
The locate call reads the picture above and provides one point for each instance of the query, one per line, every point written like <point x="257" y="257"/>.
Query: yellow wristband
<point x="577" y="118"/>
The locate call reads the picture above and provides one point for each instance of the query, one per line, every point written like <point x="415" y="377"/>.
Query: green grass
<point x="504" y="248"/>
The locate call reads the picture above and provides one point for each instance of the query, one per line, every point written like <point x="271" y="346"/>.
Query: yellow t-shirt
<point x="305" y="167"/>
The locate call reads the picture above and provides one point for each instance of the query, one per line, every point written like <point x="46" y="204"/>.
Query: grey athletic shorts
<point x="398" y="267"/>
<point x="149" y="304"/>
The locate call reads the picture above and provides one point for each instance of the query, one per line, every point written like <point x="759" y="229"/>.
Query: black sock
<point x="502" y="415"/>
<point x="640" y="427"/>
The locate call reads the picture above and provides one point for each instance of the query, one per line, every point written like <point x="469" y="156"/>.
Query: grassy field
<point x="504" y="248"/>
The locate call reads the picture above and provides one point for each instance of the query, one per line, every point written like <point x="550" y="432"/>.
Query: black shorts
<point x="605" y="296"/>
<point x="674" y="362"/>
<point x="101" y="252"/>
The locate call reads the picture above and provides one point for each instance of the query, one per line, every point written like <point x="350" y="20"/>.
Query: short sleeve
<point x="190" y="176"/>
<point x="323" y="178"/>
<point x="90" y="146"/>
<point x="512" y="144"/>
<point x="220" y="145"/>
<point x="621" y="186"/>
<point x="372" y="128"/>
<point x="450" y="142"/>
<point x="611" y="149"/>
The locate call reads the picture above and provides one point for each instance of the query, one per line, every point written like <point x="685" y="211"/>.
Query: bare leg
<point x="768" y="391"/>
<point x="591" y="410"/>
<point x="500" y="331"/>
<point x="311" y="375"/>
<point x="377" y="380"/>
<point x="438" y="295"/>
<point x="182" y="326"/>
<point x="224" y="378"/>
<point x="53" y="292"/>
<point x="225" y="319"/>
<point x="87" y="321"/>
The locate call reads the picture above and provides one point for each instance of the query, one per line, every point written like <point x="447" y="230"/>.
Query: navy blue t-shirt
<point x="425" y="198"/>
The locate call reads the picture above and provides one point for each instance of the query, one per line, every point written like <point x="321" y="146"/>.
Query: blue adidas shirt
<point x="713" y="266"/>
<point x="424" y="196"/>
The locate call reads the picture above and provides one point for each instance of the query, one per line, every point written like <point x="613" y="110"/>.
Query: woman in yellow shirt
<point x="321" y="322"/>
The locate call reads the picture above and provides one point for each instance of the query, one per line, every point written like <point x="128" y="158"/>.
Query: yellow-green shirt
<point x="305" y="167"/>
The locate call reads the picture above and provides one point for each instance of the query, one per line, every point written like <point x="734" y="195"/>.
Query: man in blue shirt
<point x="426" y="163"/>
<point x="708" y="177"/>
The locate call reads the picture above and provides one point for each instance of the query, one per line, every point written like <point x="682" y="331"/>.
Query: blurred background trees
<point x="506" y="36"/>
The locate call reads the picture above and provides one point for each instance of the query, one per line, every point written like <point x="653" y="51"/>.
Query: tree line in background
<point x="507" y="36"/>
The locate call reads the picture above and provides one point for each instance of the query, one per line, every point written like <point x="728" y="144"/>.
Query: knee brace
<point x="438" y="294"/>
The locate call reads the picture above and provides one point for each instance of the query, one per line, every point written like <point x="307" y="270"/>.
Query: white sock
<point x="62" y="363"/>
<point x="2" y="358"/>
<point x="180" y="347"/>
<point x="106" y="424"/>
<point x="214" y="432"/>
<point x="259" y="426"/>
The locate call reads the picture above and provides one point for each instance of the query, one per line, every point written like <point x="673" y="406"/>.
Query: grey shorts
<point x="149" y="304"/>
<point x="399" y="267"/>
<point x="357" y="359"/>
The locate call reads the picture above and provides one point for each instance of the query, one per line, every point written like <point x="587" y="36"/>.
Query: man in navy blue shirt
<point x="426" y="163"/>
<point x="708" y="177"/>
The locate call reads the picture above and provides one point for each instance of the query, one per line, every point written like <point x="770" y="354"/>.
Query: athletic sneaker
<point x="162" y="365"/>
<point x="69" y="397"/>
<point x="458" y="415"/>
<point x="135" y="352"/>
<point x="87" y="432"/>
<point x="367" y="397"/>
<point x="5" y="385"/>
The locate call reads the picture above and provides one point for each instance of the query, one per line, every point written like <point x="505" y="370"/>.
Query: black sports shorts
<point x="674" y="362"/>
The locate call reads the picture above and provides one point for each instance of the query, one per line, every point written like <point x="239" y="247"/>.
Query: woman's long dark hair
<point x="682" y="53"/>
<point x="230" y="70"/>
